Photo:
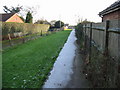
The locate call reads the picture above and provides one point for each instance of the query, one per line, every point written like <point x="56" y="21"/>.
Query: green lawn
<point x="28" y="65"/>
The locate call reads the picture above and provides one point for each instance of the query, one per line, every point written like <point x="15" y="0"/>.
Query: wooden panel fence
<point x="105" y="36"/>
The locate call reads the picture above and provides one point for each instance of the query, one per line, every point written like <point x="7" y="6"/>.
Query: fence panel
<point x="106" y="37"/>
<point x="101" y="41"/>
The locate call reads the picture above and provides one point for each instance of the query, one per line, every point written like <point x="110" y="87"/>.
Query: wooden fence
<point x="23" y="39"/>
<point x="105" y="36"/>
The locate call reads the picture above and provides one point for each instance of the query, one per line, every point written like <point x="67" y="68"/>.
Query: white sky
<point x="67" y="10"/>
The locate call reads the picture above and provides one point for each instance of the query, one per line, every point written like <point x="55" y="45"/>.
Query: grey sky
<point x="67" y="10"/>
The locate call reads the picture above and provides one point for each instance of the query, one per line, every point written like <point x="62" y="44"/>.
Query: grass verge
<point x="28" y="65"/>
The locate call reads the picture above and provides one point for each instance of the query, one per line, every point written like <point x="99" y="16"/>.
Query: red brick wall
<point x="111" y="16"/>
<point x="15" y="18"/>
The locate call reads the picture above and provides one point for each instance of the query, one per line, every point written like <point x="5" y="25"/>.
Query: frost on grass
<point x="62" y="69"/>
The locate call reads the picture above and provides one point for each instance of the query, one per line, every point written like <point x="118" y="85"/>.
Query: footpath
<point x="67" y="69"/>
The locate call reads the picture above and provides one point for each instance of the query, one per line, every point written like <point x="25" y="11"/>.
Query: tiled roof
<point x="113" y="7"/>
<point x="5" y="16"/>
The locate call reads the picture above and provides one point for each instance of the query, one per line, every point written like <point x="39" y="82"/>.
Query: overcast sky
<point x="67" y="10"/>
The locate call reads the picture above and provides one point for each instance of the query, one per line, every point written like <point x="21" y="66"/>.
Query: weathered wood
<point x="41" y="33"/>
<point x="106" y="50"/>
<point x="85" y="35"/>
<point x="90" y="44"/>
<point x="9" y="39"/>
<point x="106" y="37"/>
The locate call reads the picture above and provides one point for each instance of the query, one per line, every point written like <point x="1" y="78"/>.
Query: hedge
<point x="25" y="28"/>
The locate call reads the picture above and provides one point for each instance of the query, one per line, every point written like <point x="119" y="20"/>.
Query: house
<point x="10" y="17"/>
<point x="112" y="12"/>
<point x="53" y="23"/>
<point x="66" y="26"/>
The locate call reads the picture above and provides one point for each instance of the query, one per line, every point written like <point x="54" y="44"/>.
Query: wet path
<point x="78" y="79"/>
<point x="67" y="70"/>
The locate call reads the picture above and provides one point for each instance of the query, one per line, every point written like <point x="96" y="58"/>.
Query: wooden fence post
<point x="85" y="36"/>
<point x="9" y="39"/>
<point x="118" y="75"/>
<point x="41" y="33"/>
<point x="106" y="50"/>
<point x="106" y="37"/>
<point x="90" y="44"/>
<point x="85" y="29"/>
<point x="23" y="39"/>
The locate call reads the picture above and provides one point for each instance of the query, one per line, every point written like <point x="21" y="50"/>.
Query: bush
<point x="79" y="31"/>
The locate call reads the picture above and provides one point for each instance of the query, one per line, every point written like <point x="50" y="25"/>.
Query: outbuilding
<point x="112" y="12"/>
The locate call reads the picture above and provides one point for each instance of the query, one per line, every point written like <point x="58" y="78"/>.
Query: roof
<point x="114" y="7"/>
<point x="6" y="16"/>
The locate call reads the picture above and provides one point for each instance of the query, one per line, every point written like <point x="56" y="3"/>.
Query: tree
<point x="85" y="21"/>
<point x="22" y="18"/>
<point x="32" y="10"/>
<point x="13" y="9"/>
<point x="53" y="22"/>
<point x="59" y="24"/>
<point x="29" y="18"/>
<point x="21" y="10"/>
<point x="39" y="22"/>
<point x="42" y="21"/>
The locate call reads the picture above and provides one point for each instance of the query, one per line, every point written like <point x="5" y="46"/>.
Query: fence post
<point x="106" y="50"/>
<point x="85" y="30"/>
<point x="23" y="39"/>
<point x="9" y="39"/>
<point x="106" y="37"/>
<point x="118" y="76"/>
<point x="41" y="33"/>
<point x="85" y="36"/>
<point x="90" y="44"/>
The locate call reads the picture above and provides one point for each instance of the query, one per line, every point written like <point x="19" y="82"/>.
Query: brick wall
<point x="15" y="18"/>
<point x="111" y="16"/>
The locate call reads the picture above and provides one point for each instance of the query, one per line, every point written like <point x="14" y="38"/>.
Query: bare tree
<point x="12" y="9"/>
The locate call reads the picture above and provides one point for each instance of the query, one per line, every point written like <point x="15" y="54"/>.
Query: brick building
<point x="10" y="17"/>
<point x="111" y="12"/>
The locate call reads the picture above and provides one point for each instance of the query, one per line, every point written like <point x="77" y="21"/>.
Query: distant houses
<point x="66" y="26"/>
<point x="112" y="12"/>
<point x="10" y="17"/>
